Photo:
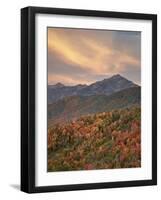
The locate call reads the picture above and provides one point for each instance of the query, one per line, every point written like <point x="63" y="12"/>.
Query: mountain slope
<point x="105" y="87"/>
<point x="59" y="91"/>
<point x="75" y="106"/>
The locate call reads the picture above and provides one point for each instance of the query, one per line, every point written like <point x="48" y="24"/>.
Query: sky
<point x="84" y="56"/>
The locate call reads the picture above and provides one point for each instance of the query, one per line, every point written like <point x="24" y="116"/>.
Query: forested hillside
<point x="104" y="140"/>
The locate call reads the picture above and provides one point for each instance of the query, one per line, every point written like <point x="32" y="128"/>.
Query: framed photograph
<point x="88" y="99"/>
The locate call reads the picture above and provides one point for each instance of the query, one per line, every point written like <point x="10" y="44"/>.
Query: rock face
<point x="105" y="87"/>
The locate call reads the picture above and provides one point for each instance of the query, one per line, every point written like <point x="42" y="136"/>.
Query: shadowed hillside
<point x="75" y="106"/>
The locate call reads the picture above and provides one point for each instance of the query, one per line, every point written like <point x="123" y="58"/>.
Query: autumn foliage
<point x="100" y="141"/>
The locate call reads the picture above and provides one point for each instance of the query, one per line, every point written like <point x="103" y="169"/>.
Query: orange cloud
<point x="86" y="51"/>
<point x="70" y="53"/>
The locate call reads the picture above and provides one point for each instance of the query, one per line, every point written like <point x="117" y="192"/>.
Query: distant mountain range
<point x="105" y="87"/>
<point x="109" y="94"/>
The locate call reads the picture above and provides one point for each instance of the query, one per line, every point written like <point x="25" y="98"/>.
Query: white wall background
<point x="10" y="99"/>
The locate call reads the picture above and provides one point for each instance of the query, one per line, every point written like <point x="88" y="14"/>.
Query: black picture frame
<point x="28" y="98"/>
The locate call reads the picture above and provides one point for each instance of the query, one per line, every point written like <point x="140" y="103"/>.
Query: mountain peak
<point x="117" y="76"/>
<point x="59" y="84"/>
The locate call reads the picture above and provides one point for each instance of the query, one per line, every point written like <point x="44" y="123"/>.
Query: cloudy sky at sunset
<point x="79" y="56"/>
